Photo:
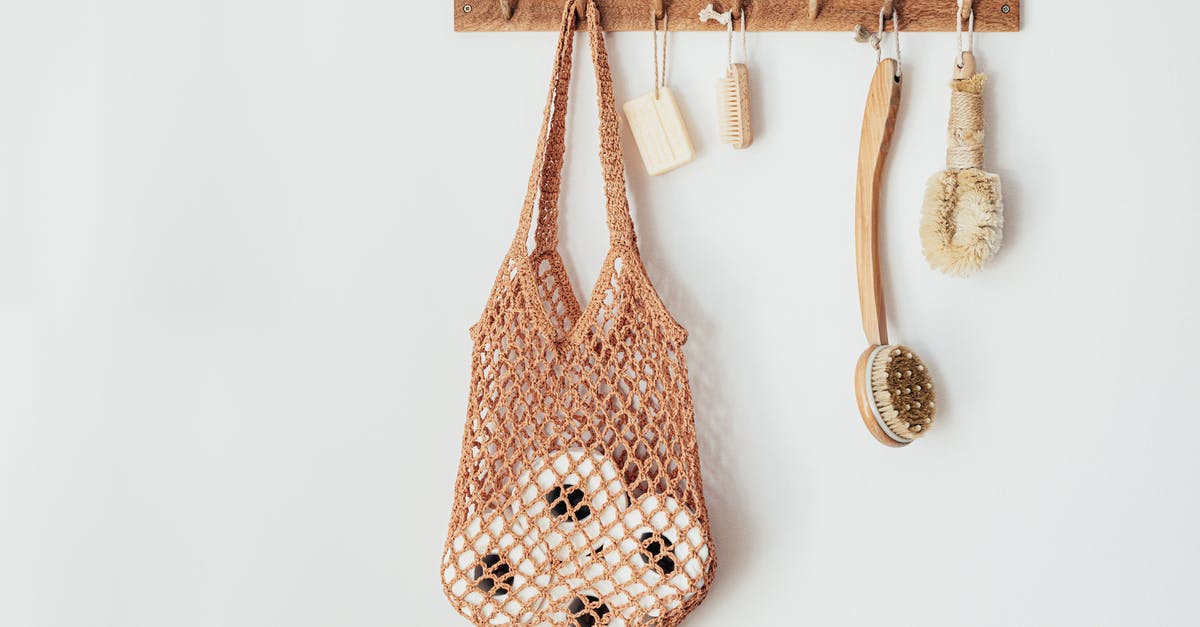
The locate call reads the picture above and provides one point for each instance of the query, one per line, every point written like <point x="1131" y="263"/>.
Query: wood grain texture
<point x="965" y="68"/>
<point x="761" y="15"/>
<point x="879" y="120"/>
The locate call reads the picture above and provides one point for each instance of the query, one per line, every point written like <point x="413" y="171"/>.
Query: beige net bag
<point x="578" y="500"/>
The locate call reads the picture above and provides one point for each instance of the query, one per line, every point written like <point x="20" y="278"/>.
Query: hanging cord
<point x="660" y="78"/>
<point x="877" y="42"/>
<point x="862" y="35"/>
<point x="958" y="23"/>
<point x="726" y="18"/>
<point x="745" y="55"/>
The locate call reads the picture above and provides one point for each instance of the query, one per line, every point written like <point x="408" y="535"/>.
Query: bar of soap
<point x="658" y="128"/>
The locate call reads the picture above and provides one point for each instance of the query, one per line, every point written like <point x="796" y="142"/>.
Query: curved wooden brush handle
<point x="879" y="119"/>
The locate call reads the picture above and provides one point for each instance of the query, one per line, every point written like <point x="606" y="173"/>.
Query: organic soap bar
<point x="658" y="128"/>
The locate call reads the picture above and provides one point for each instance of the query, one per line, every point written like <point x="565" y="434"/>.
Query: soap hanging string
<point x="660" y="79"/>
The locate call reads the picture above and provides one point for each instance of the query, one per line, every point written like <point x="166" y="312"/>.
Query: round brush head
<point x="895" y="394"/>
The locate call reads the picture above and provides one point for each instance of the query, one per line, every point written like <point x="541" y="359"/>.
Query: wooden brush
<point x="893" y="387"/>
<point x="733" y="89"/>
<point x="733" y="106"/>
<point x="895" y="394"/>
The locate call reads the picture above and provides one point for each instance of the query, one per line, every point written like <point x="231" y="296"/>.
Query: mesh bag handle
<point x="546" y="179"/>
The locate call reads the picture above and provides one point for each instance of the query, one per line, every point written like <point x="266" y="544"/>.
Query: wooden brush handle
<point x="879" y="119"/>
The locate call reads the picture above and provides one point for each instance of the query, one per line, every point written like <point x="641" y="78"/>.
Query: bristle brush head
<point x="895" y="394"/>
<point x="733" y="107"/>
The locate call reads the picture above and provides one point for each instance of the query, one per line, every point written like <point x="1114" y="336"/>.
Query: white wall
<point x="241" y="243"/>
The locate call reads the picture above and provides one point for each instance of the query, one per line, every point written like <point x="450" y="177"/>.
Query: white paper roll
<point x="667" y="550"/>
<point x="649" y="563"/>
<point x="496" y="571"/>
<point x="604" y="575"/>
<point x="571" y="500"/>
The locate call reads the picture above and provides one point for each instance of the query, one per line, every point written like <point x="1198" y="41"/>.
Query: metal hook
<point x="814" y="9"/>
<point x="506" y="9"/>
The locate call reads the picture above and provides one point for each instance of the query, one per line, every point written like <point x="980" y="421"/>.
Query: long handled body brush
<point x="893" y="387"/>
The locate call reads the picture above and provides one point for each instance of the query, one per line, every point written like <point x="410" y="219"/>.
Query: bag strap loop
<point x="545" y="180"/>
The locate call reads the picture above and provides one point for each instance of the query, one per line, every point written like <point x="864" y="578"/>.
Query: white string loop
<point x="960" y="60"/>
<point x="726" y="18"/>
<point x="745" y="55"/>
<point x="877" y="43"/>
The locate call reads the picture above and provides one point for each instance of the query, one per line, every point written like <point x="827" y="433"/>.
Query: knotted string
<point x="726" y="18"/>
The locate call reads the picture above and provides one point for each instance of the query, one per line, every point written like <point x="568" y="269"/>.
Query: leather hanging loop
<point x="506" y="9"/>
<point x="965" y="8"/>
<point x="659" y="10"/>
<point x="814" y="9"/>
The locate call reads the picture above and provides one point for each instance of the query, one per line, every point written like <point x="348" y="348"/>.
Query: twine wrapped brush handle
<point x="965" y="133"/>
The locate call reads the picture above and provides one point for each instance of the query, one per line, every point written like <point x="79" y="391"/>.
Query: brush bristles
<point x="962" y="220"/>
<point x="903" y="391"/>
<point x="733" y="106"/>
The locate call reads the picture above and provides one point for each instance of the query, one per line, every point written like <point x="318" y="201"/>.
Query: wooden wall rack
<point x="761" y="15"/>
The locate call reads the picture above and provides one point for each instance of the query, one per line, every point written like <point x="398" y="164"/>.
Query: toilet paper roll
<point x="667" y="551"/>
<point x="571" y="499"/>
<point x="496" y="571"/>
<point x="603" y="574"/>
<point x="577" y="605"/>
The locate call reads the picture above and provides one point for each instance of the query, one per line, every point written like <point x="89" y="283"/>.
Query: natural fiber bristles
<point x="962" y="220"/>
<point x="903" y="391"/>
<point x="963" y="214"/>
<point x="973" y="85"/>
<point x="733" y="107"/>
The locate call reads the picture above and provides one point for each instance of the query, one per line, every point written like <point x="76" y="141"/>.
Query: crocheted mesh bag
<point x="578" y="500"/>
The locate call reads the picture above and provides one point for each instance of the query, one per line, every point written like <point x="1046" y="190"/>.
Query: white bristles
<point x="733" y="107"/>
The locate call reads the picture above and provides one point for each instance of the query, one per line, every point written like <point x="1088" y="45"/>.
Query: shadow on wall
<point x="714" y="419"/>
